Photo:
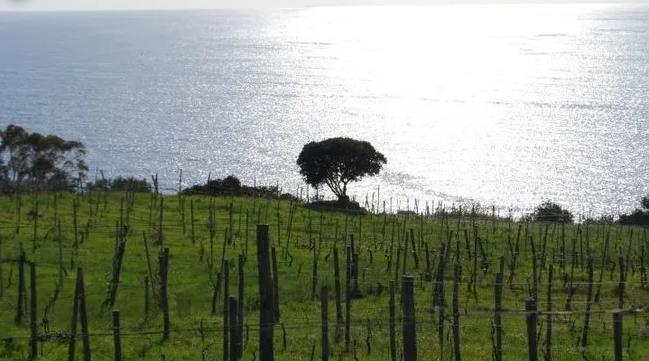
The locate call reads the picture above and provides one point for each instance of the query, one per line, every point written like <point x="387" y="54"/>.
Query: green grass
<point x="190" y="279"/>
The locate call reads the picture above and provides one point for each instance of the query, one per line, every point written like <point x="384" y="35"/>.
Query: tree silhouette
<point x="42" y="161"/>
<point x="551" y="212"/>
<point x="338" y="161"/>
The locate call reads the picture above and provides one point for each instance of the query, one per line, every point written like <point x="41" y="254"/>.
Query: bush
<point x="644" y="202"/>
<point x="600" y="220"/>
<point x="231" y="186"/>
<point x="551" y="212"/>
<point x="639" y="217"/>
<point x="337" y="205"/>
<point x="121" y="184"/>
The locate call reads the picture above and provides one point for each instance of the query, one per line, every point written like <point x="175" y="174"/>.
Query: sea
<point x="497" y="105"/>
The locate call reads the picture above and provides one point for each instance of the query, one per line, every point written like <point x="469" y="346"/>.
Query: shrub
<point x="121" y="184"/>
<point x="551" y="212"/>
<point x="232" y="186"/>
<point x="639" y="217"/>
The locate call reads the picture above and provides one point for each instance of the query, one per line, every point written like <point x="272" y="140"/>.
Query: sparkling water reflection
<point x="505" y="105"/>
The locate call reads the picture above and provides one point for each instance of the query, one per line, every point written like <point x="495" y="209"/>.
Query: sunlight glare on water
<point x="506" y="105"/>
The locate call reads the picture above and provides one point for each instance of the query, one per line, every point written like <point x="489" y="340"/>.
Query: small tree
<point x="338" y="161"/>
<point x="4" y="177"/>
<point x="644" y="202"/>
<point x="639" y="217"/>
<point x="44" y="161"/>
<point x="551" y="212"/>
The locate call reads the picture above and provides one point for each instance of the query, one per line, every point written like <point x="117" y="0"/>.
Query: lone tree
<point x="338" y="161"/>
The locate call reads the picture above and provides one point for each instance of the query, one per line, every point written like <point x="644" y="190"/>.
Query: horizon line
<point x="443" y="3"/>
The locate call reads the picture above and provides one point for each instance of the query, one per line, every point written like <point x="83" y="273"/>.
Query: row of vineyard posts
<point x="408" y="250"/>
<point x="269" y="307"/>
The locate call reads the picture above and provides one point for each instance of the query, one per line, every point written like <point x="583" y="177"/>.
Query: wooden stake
<point x="408" y="325"/>
<point x="117" y="343"/>
<point x="531" y="317"/>
<point x="324" y="320"/>
<point x="266" y="314"/>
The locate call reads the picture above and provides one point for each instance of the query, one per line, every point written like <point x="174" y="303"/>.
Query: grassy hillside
<point x="45" y="225"/>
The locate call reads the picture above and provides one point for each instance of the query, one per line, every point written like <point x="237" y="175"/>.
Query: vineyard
<point x="129" y="276"/>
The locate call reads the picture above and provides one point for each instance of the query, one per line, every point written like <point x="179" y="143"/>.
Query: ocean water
<point x="505" y="105"/>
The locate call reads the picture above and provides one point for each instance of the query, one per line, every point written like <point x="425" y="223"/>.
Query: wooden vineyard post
<point x="456" y="313"/>
<point x="35" y="234"/>
<point x="235" y="339"/>
<point x="191" y="222"/>
<point x="146" y="298"/>
<point x="164" y="301"/>
<point x="405" y="254"/>
<point x="356" y="291"/>
<point x="348" y="300"/>
<point x="20" y="305"/>
<point x="117" y="343"/>
<point x="83" y="317"/>
<point x="531" y="317"/>
<point x="79" y="313"/>
<point x="427" y="276"/>
<point x="1" y="277"/>
<point x="498" y="328"/>
<point x="589" y="300"/>
<point x="33" y="337"/>
<point x="408" y="325"/>
<point x="621" y="286"/>
<point x="339" y="307"/>
<point x="314" y="273"/>
<point x="226" y="311"/>
<point x="75" y="313"/>
<point x="324" y="319"/>
<point x="59" y="240"/>
<point x="617" y="333"/>
<point x="275" y="285"/>
<point x="240" y="304"/>
<point x="393" y="341"/>
<point x="75" y="207"/>
<point x="414" y="248"/>
<point x="548" y="331"/>
<point x="160" y="219"/>
<point x="396" y="268"/>
<point x="245" y="249"/>
<point x="266" y="314"/>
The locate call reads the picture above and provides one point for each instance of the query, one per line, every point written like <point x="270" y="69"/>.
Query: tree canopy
<point x="552" y="212"/>
<point x="640" y="216"/>
<point x="338" y="161"/>
<point x="41" y="161"/>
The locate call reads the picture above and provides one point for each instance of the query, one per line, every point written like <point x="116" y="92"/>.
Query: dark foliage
<point x="5" y="186"/>
<point x="40" y="162"/>
<point x="121" y="184"/>
<point x="231" y="186"/>
<point x="338" y="161"/>
<point x="551" y="212"/>
<point x="638" y="217"/>
<point x="644" y="202"/>
<point x="604" y="219"/>
<point x="338" y="205"/>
